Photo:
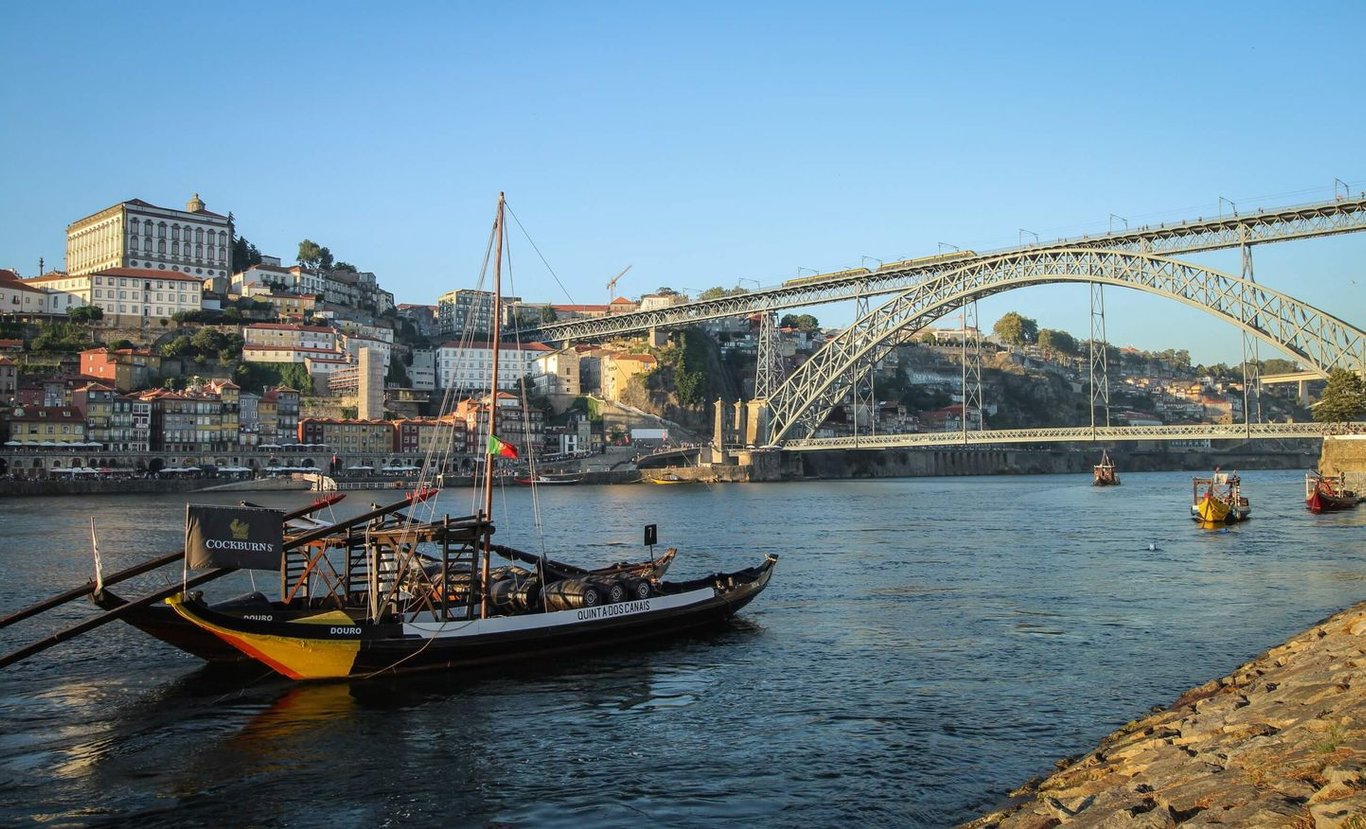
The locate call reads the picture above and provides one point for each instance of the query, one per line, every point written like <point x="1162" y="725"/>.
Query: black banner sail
<point x="248" y="538"/>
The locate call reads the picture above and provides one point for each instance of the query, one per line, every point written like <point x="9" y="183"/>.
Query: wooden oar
<point x="118" y="612"/>
<point x="137" y="570"/>
<point x="108" y="616"/>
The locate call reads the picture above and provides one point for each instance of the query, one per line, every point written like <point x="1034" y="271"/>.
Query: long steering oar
<point x="137" y="570"/>
<point x="118" y="612"/>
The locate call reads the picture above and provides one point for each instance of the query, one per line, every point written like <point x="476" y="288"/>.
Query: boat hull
<point x="1321" y="502"/>
<point x="344" y="649"/>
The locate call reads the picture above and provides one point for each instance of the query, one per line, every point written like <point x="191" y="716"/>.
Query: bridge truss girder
<point x="1076" y="434"/>
<point x="806" y="398"/>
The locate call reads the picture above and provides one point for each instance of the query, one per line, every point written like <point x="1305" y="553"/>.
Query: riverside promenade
<point x="1281" y="741"/>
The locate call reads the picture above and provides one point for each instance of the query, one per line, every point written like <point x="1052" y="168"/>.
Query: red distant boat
<point x="1105" y="474"/>
<point x="1323" y="493"/>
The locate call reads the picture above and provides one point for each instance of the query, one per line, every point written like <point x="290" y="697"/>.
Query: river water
<point x="925" y="645"/>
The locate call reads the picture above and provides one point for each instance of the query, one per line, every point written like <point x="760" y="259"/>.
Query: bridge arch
<point x="807" y="397"/>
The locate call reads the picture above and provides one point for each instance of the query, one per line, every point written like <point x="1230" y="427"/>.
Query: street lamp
<point x="1121" y="218"/>
<point x="1233" y="206"/>
<point x="863" y="259"/>
<point x="943" y="245"/>
<point x="1031" y="233"/>
<point x="813" y="271"/>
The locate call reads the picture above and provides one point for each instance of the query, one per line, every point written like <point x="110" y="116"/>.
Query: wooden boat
<point x="335" y="553"/>
<point x="1104" y="472"/>
<point x="667" y="478"/>
<point x="429" y="600"/>
<point x="1323" y="493"/>
<point x="1219" y="499"/>
<point x="549" y="479"/>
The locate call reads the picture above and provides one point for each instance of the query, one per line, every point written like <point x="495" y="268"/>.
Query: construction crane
<point x="612" y="284"/>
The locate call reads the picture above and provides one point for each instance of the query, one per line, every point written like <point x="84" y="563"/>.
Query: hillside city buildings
<point x="406" y="377"/>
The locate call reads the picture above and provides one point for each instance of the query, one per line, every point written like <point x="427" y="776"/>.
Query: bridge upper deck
<point x="1280" y="224"/>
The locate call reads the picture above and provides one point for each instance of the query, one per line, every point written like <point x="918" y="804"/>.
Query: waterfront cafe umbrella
<point x="13" y="443"/>
<point x="358" y="468"/>
<point x="47" y="443"/>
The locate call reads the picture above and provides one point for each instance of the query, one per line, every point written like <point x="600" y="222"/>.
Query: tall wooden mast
<point x="495" y="326"/>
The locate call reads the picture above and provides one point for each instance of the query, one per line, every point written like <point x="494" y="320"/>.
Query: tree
<point x="1279" y="366"/>
<point x="344" y="266"/>
<point x="1343" y="399"/>
<point x="179" y="347"/>
<point x="312" y="255"/>
<point x="721" y="293"/>
<point x="1059" y="341"/>
<point x="548" y="314"/>
<point x="85" y="313"/>
<point x="1014" y="329"/>
<point x="244" y="254"/>
<point x="801" y="322"/>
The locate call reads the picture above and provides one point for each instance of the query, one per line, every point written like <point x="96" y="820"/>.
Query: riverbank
<point x="1281" y="741"/>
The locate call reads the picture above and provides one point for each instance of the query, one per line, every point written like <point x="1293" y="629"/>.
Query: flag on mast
<point x="501" y="449"/>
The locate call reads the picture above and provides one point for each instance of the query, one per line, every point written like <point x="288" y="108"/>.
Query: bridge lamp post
<point x="812" y="271"/>
<point x="863" y="259"/>
<point x="1346" y="194"/>
<point x="1121" y="218"/>
<point x="1231" y="205"/>
<point x="739" y="281"/>
<point x="1031" y="233"/>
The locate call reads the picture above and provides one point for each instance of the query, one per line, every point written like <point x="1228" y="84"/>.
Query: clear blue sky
<point x="701" y="143"/>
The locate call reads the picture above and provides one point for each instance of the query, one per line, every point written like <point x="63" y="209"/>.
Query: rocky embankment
<point x="1279" y="742"/>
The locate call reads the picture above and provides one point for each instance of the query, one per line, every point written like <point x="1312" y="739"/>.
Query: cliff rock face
<point x="1281" y="741"/>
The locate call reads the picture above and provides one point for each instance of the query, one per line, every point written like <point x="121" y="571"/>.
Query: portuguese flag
<point x="499" y="449"/>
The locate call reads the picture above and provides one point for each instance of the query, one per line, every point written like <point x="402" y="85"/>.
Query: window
<point x="175" y="248"/>
<point x="161" y="247"/>
<point x="161" y="230"/>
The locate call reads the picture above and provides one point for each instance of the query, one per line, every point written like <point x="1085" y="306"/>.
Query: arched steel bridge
<point x="804" y="400"/>
<point x="925" y="290"/>
<point x="1283" y="224"/>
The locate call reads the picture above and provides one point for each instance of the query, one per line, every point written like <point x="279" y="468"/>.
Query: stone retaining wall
<point x="1281" y="741"/>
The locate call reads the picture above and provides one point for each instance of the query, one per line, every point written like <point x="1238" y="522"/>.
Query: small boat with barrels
<point x="667" y="479"/>
<point x="1325" y="493"/>
<point x="1219" y="499"/>
<point x="1104" y="472"/>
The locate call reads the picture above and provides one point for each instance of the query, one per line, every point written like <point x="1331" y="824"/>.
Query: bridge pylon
<point x="768" y="370"/>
